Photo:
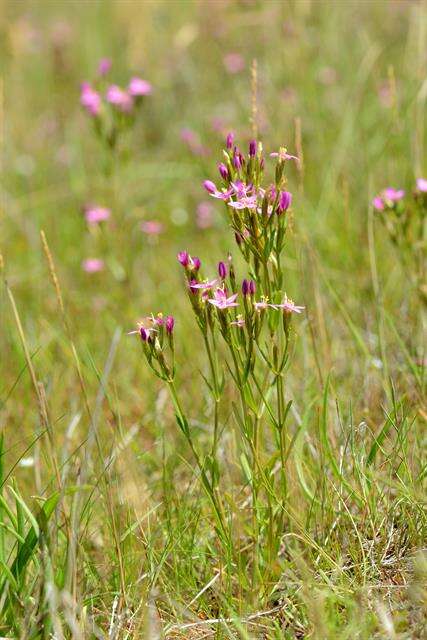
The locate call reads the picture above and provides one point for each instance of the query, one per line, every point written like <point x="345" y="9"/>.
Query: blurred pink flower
<point x="90" y="99"/>
<point x="191" y="139"/>
<point x="93" y="265"/>
<point x="385" y="95"/>
<point x="152" y="227"/>
<point x="378" y="203"/>
<point x="204" y="215"/>
<point x="96" y="214"/>
<point x="104" y="66"/>
<point x="139" y="87"/>
<point x="234" y="62"/>
<point x="422" y="185"/>
<point x="394" y="195"/>
<point x="119" y="98"/>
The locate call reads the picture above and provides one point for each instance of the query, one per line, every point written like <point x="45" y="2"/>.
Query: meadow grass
<point x="119" y="518"/>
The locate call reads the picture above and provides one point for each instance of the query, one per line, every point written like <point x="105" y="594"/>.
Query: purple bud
<point x="169" y="324"/>
<point x="222" y="270"/>
<point x="237" y="160"/>
<point x="209" y="186"/>
<point x="145" y="334"/>
<point x="229" y="140"/>
<point x="195" y="263"/>
<point x="285" y="200"/>
<point x="245" y="287"/>
<point x="252" y="148"/>
<point x="252" y="287"/>
<point x="223" y="171"/>
<point x="183" y="258"/>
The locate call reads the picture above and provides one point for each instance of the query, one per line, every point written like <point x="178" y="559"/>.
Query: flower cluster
<point x="156" y="333"/>
<point x="112" y="107"/>
<point x="404" y="219"/>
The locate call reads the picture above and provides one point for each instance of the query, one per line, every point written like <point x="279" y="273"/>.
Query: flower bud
<point x="237" y="160"/>
<point x="238" y="237"/>
<point x="252" y="148"/>
<point x="145" y="334"/>
<point x="195" y="263"/>
<point x="209" y="186"/>
<point x="229" y="140"/>
<point x="183" y="258"/>
<point x="252" y="287"/>
<point x="285" y="200"/>
<point x="245" y="287"/>
<point x="223" y="171"/>
<point x="222" y="270"/>
<point x="169" y="324"/>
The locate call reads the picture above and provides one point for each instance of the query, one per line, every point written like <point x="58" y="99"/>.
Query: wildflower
<point x="93" y="265"/>
<point x="139" y="87"/>
<point x="221" y="301"/>
<point x="283" y="155"/>
<point x="152" y="227"/>
<point x="90" y="99"/>
<point x="223" y="171"/>
<point x="237" y="160"/>
<point x="96" y="214"/>
<point x="288" y="305"/>
<point x="393" y="195"/>
<point x="169" y="324"/>
<point x="104" y="66"/>
<point x="246" y="202"/>
<point x="205" y="285"/>
<point x="252" y="148"/>
<point x="378" y="203"/>
<point x="184" y="258"/>
<point x="252" y="287"/>
<point x="119" y="98"/>
<point x="213" y="191"/>
<point x="261" y="305"/>
<point x="422" y="185"/>
<point x="234" y="62"/>
<point x="229" y="140"/>
<point x="145" y="334"/>
<point x="245" y="287"/>
<point x="285" y="200"/>
<point x="222" y="270"/>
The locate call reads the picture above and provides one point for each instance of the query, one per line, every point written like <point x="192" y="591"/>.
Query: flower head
<point x="139" y="87"/>
<point x="394" y="195"/>
<point x="282" y="155"/>
<point x="288" y="305"/>
<point x="90" y="99"/>
<point x="221" y="301"/>
<point x="378" y="203"/>
<point x="285" y="200"/>
<point x="93" y="265"/>
<point x="169" y="324"/>
<point x="229" y="140"/>
<point x="119" y="98"/>
<point x="422" y="185"/>
<point x="205" y="285"/>
<point x="96" y="214"/>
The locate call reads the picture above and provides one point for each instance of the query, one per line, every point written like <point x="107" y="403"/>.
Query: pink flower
<point x="234" y="62"/>
<point x="204" y="215"/>
<point x="95" y="214"/>
<point x="93" y="265"/>
<point x="288" y="305"/>
<point x="378" y="203"/>
<point x="90" y="99"/>
<point x="246" y="202"/>
<point x="422" y="185"/>
<point x="394" y="195"/>
<point x="285" y="200"/>
<point x="260" y="306"/>
<point x="192" y="140"/>
<point x="169" y="324"/>
<point x="213" y="191"/>
<point x="204" y="286"/>
<point x="221" y="301"/>
<point x="119" y="98"/>
<point x="104" y="66"/>
<point x="139" y="87"/>
<point x="152" y="227"/>
<point x="283" y="155"/>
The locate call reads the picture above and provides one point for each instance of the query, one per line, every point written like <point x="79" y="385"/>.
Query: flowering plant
<point x="251" y="319"/>
<point x="404" y="218"/>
